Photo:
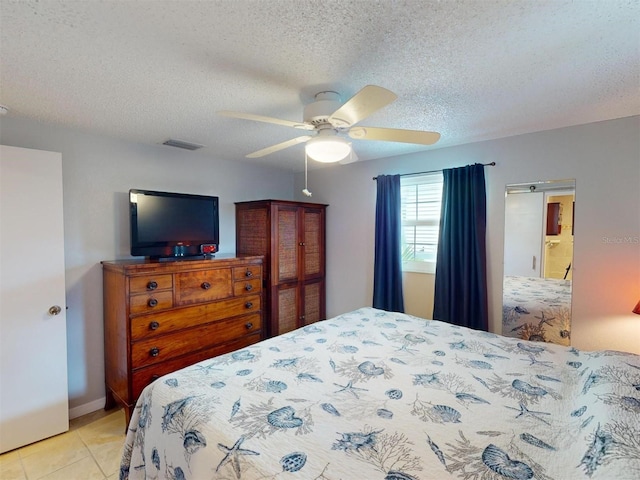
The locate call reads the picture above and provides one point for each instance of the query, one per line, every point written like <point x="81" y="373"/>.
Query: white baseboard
<point x="90" y="407"/>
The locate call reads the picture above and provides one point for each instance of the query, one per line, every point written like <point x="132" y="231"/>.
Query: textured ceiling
<point x="472" y="70"/>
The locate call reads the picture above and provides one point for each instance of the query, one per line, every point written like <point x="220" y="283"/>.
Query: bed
<point x="537" y="309"/>
<point x="377" y="395"/>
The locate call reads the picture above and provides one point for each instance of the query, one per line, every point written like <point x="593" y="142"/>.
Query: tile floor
<point x="90" y="450"/>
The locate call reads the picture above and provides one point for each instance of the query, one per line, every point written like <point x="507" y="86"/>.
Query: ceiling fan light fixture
<point x="328" y="149"/>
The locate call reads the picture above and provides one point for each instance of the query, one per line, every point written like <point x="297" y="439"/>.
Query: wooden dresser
<point x="163" y="316"/>
<point x="291" y="238"/>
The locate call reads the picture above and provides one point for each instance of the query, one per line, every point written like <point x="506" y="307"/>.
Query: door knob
<point x="55" y="310"/>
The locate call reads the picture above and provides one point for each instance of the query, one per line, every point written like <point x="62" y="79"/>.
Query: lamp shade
<point x="328" y="149"/>
<point x="637" y="309"/>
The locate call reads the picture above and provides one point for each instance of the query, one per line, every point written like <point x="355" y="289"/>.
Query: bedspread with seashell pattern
<point x="377" y="395"/>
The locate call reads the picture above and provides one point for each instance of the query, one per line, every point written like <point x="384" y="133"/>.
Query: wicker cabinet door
<point x="252" y="230"/>
<point x="313" y="301"/>
<point x="313" y="243"/>
<point x="284" y="313"/>
<point x="287" y="244"/>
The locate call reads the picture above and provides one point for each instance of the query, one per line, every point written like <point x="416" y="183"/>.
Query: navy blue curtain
<point x="461" y="265"/>
<point x="387" y="269"/>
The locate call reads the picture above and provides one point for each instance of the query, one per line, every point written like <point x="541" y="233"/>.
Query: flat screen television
<point x="173" y="225"/>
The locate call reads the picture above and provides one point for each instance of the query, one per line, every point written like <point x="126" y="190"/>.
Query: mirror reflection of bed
<point x="538" y="261"/>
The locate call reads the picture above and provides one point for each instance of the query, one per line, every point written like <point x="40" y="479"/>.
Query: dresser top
<point x="140" y="265"/>
<point x="283" y="202"/>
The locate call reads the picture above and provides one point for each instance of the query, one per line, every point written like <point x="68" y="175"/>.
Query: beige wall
<point x="418" y="293"/>
<point x="558" y="250"/>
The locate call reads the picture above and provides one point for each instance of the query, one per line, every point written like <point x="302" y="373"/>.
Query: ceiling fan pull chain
<point x="306" y="190"/>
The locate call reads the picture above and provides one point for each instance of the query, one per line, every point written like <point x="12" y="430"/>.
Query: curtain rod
<point x="492" y="164"/>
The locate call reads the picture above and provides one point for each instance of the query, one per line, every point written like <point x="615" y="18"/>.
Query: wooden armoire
<point x="291" y="238"/>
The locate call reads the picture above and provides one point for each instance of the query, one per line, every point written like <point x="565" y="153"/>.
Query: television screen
<point x="167" y="224"/>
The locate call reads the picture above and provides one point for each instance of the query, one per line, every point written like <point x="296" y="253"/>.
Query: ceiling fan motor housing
<point x="318" y="112"/>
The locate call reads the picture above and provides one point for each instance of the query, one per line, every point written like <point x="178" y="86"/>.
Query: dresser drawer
<point x="144" y="376"/>
<point x="247" y="273"/>
<point x="150" y="283"/>
<point x="150" y="302"/>
<point x="247" y="286"/>
<point x="203" y="286"/>
<point x="166" y="322"/>
<point x="165" y="347"/>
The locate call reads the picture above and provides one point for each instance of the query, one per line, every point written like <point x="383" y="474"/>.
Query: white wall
<point x="603" y="157"/>
<point x="97" y="174"/>
<point x="98" y="171"/>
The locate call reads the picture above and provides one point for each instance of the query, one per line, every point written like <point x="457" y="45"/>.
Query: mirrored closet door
<point x="538" y="260"/>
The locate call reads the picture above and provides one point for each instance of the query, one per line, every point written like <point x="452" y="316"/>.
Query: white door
<point x="523" y="234"/>
<point x="33" y="338"/>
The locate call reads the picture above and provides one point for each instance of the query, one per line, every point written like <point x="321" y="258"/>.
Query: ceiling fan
<point x="328" y="120"/>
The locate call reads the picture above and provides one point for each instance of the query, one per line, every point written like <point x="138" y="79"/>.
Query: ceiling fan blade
<point x="261" y="118"/>
<point x="367" y="101"/>
<point x="352" y="157"/>
<point x="394" y="135"/>
<point x="280" y="146"/>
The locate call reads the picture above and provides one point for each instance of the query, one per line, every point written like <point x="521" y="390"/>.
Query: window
<point x="421" y="197"/>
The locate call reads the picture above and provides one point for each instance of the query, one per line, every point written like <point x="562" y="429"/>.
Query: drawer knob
<point x="248" y="325"/>
<point x="248" y="273"/>
<point x="152" y="302"/>
<point x="248" y="305"/>
<point x="152" y="285"/>
<point x="205" y="285"/>
<point x="154" y="352"/>
<point x="154" y="325"/>
<point x="248" y="287"/>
